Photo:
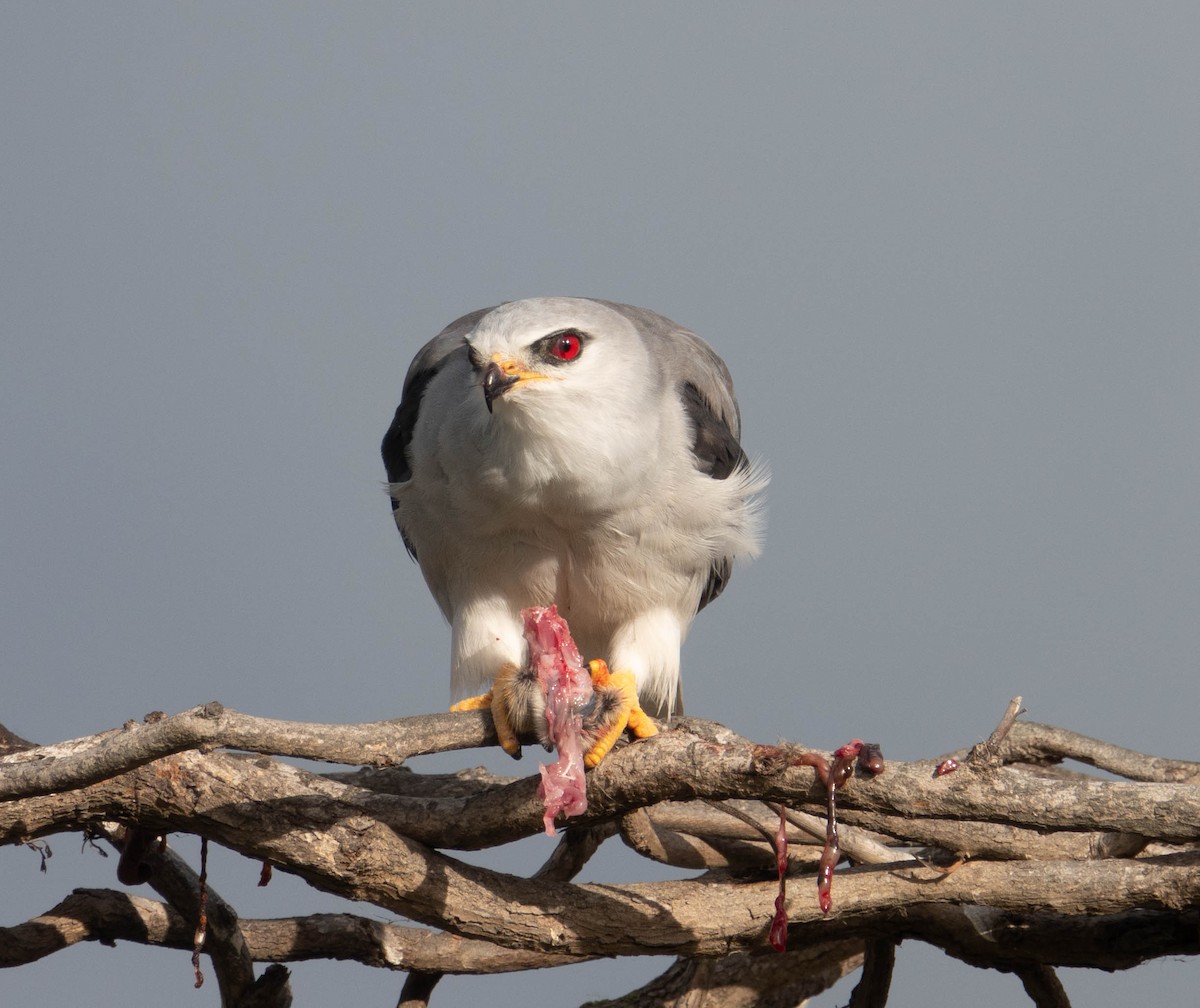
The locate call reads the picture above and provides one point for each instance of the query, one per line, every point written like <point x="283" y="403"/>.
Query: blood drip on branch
<point x="867" y="757"/>
<point x="779" y="922"/>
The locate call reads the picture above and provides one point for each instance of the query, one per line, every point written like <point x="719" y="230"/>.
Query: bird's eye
<point x="566" y="346"/>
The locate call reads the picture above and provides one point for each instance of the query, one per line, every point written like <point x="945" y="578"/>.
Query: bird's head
<point x="554" y="354"/>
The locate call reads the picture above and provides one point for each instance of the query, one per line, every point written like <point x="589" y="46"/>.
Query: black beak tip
<point x="496" y="383"/>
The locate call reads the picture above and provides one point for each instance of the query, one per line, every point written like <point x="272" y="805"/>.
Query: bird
<point x="576" y="452"/>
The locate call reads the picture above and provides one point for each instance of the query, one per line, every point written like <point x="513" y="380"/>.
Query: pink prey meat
<point x="567" y="686"/>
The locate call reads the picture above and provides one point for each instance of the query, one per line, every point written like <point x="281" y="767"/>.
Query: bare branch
<point x="1043" y="986"/>
<point x="337" y="845"/>
<point x="107" y="916"/>
<point x="93" y="915"/>
<point x="576" y="847"/>
<point x="747" y="980"/>
<point x="232" y="960"/>
<point x="80" y="762"/>
<point x="10" y="742"/>
<point x="670" y="766"/>
<point x="871" y="991"/>
<point x="1082" y="860"/>
<point x="857" y="844"/>
<point x="1036" y="743"/>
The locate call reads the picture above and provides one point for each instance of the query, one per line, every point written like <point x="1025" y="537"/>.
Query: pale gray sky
<point x="951" y="253"/>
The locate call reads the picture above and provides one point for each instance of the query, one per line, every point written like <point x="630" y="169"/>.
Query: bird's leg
<point x="626" y="712"/>
<point x="497" y="701"/>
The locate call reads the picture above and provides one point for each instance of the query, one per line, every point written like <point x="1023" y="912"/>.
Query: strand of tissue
<point x="566" y="684"/>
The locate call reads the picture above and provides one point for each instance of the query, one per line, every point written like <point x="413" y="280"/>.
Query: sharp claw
<point x="638" y="721"/>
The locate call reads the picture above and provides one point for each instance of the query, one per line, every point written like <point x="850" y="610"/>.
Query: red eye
<point x="566" y="346"/>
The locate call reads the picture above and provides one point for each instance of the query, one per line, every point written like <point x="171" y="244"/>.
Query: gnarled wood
<point x="999" y="863"/>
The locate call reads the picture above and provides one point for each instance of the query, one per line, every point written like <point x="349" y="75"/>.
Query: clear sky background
<point x="951" y="253"/>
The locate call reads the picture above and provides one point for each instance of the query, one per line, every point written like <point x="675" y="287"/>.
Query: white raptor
<point x="576" y="452"/>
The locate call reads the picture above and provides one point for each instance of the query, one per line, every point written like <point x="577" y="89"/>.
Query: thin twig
<point x="987" y="753"/>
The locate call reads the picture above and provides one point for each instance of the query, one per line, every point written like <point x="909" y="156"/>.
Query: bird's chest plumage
<point x="577" y="544"/>
<point x="563" y="507"/>
<point x="588" y="562"/>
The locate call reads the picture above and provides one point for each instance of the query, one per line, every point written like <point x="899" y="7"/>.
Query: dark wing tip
<point x="718" y="578"/>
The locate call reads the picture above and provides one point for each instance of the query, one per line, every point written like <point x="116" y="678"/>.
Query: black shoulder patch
<point x="430" y="359"/>
<point x="714" y="446"/>
<point x="717" y="453"/>
<point x="399" y="434"/>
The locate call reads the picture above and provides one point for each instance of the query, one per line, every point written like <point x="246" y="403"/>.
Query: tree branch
<point x="1043" y="986"/>
<point x="108" y="916"/>
<point x="44" y="770"/>
<point x="747" y="980"/>
<point x="677" y="765"/>
<point x="316" y="828"/>
<point x="1082" y="859"/>
<point x="1038" y="743"/>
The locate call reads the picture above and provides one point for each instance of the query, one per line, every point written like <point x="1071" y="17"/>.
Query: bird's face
<point x="556" y="356"/>
<point x="560" y="405"/>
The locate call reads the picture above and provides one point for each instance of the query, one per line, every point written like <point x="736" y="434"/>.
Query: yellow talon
<point x="629" y="713"/>
<point x="509" y="703"/>
<point x="495" y="700"/>
<point x="640" y="723"/>
<point x="598" y="668"/>
<point x="481" y="702"/>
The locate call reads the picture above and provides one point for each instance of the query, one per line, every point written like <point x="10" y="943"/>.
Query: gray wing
<point x="705" y="390"/>
<point x="430" y="359"/>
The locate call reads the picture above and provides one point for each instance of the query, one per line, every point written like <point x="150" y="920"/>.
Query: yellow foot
<point x="627" y="713"/>
<point x="497" y="700"/>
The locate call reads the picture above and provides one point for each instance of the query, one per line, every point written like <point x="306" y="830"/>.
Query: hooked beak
<point x="496" y="383"/>
<point x="501" y="375"/>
